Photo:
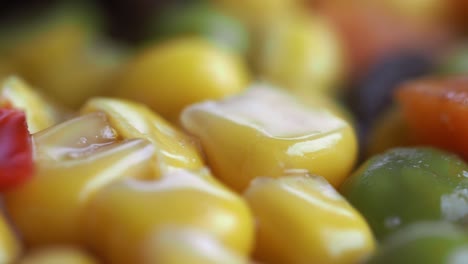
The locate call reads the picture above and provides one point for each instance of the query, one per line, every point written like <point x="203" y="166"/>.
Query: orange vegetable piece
<point x="437" y="112"/>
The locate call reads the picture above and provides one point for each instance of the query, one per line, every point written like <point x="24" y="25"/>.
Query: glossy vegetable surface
<point x="436" y="111"/>
<point x="233" y="132"/>
<point x="267" y="132"/>
<point x="74" y="161"/>
<point x="406" y="185"/>
<point x="173" y="148"/>
<point x="135" y="211"/>
<point x="302" y="219"/>
<point x="424" y="242"/>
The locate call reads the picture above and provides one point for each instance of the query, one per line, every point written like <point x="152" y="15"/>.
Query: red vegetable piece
<point x="16" y="155"/>
<point x="437" y="112"/>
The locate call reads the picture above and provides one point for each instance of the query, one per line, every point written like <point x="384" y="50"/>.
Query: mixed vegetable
<point x="237" y="132"/>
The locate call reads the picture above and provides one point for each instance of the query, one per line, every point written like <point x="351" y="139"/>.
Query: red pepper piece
<point x="16" y="155"/>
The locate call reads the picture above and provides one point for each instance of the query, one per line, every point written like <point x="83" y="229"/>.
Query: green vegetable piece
<point x="406" y="185"/>
<point x="424" y="242"/>
<point x="456" y="62"/>
<point x="200" y="19"/>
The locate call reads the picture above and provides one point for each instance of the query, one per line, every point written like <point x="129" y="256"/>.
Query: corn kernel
<point x="122" y="217"/>
<point x="267" y="132"/>
<point x="302" y="219"/>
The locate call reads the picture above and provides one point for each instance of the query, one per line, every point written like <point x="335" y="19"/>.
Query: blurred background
<point x="351" y="52"/>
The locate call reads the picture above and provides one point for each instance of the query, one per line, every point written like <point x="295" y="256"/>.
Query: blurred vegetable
<point x="389" y="131"/>
<point x="173" y="75"/>
<point x="177" y="245"/>
<point x="266" y="131"/>
<point x="436" y="111"/>
<point x="198" y="19"/>
<point x="458" y="10"/>
<point x="58" y="255"/>
<point x="16" y="150"/>
<point x="74" y="160"/>
<point x="77" y="23"/>
<point x="373" y="93"/>
<point x="123" y="218"/>
<point x="455" y="62"/>
<point x="424" y="242"/>
<point x="258" y="13"/>
<point x="62" y="55"/>
<point x="10" y="247"/>
<point x="302" y="219"/>
<point x="427" y="11"/>
<point x="40" y="113"/>
<point x="406" y="185"/>
<point x="301" y="53"/>
<point x="370" y="33"/>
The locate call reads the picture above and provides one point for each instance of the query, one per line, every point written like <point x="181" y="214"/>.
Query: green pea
<point x="424" y="242"/>
<point x="406" y="185"/>
<point x="456" y="62"/>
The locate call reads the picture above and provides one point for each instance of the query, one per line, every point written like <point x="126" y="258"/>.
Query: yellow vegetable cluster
<point x="185" y="152"/>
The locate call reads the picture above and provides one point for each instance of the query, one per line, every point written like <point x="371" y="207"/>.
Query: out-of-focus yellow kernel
<point x="10" y="247"/>
<point x="58" y="255"/>
<point x="169" y="76"/>
<point x="301" y="53"/>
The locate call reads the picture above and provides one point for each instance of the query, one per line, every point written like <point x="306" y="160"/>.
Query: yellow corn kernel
<point x="48" y="48"/>
<point x="170" y="76"/>
<point x="301" y="53"/>
<point x="122" y="217"/>
<point x="58" y="255"/>
<point x="16" y="93"/>
<point x="86" y="74"/>
<point x="177" y="246"/>
<point x="41" y="54"/>
<point x="73" y="161"/>
<point x="302" y="219"/>
<point x="10" y="247"/>
<point x="58" y="56"/>
<point x="174" y="149"/>
<point x="266" y="132"/>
